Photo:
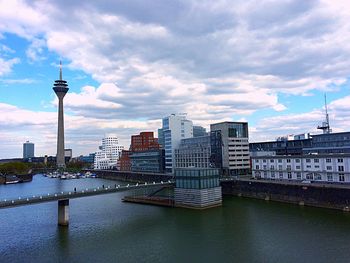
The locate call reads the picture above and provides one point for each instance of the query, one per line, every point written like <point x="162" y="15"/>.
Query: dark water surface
<point x="103" y="229"/>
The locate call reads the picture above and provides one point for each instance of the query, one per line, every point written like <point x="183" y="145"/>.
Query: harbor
<point x="104" y="228"/>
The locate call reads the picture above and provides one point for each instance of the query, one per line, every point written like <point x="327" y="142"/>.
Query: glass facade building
<point x="197" y="178"/>
<point x="148" y="161"/>
<point x="197" y="188"/>
<point x="28" y="150"/>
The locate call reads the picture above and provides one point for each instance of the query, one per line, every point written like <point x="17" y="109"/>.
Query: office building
<point x="109" y="153"/>
<point x="197" y="188"/>
<point x="193" y="152"/>
<point x="68" y="154"/>
<point x="199" y="131"/>
<point x="161" y="138"/>
<point x="151" y="161"/>
<point x="234" y="154"/>
<point x="175" y="127"/>
<point x="28" y="150"/>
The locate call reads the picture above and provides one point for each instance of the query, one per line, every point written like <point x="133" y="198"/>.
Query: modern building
<point x="87" y="158"/>
<point x="199" y="131"/>
<point x="329" y="143"/>
<point x="193" y="152"/>
<point x="312" y="167"/>
<point x="174" y="127"/>
<point x="281" y="147"/>
<point x="60" y="88"/>
<point x="197" y="188"/>
<point x="161" y="138"/>
<point x="109" y="153"/>
<point x="68" y="154"/>
<point x="28" y="150"/>
<point x="152" y="161"/>
<point x="235" y="159"/>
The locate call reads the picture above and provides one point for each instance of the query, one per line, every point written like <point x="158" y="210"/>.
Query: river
<point x="104" y="229"/>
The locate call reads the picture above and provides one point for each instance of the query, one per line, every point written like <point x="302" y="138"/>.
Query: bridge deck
<point x="8" y="203"/>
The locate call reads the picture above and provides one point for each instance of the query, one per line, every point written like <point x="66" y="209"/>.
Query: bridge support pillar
<point x="63" y="212"/>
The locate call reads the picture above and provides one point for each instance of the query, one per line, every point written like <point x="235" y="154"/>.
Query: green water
<point x="104" y="229"/>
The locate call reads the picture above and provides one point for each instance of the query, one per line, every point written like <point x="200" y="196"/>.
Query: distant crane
<point x="325" y="125"/>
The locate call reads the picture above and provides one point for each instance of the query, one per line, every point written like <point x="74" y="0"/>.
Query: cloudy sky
<point x="129" y="63"/>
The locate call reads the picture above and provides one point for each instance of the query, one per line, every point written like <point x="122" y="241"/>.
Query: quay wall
<point x="136" y="177"/>
<point x="317" y="195"/>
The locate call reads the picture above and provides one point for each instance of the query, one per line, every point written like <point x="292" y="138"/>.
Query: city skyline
<point x="131" y="65"/>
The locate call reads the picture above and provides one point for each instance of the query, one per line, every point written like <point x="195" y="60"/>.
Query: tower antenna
<point x="325" y="127"/>
<point x="60" y="70"/>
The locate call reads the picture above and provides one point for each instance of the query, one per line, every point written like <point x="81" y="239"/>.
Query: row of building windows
<point x="328" y="160"/>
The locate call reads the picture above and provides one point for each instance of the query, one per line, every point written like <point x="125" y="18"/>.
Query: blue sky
<point x="130" y="63"/>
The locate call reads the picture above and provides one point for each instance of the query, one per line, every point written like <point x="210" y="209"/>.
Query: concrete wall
<point x="327" y="196"/>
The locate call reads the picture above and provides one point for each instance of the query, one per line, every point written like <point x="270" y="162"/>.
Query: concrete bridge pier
<point x="63" y="212"/>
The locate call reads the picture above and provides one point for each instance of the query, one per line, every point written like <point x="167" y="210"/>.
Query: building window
<point x="317" y="166"/>
<point x="265" y="167"/>
<point x="340" y="160"/>
<point x="280" y="174"/>
<point x="297" y="167"/>
<point x="340" y="168"/>
<point x="257" y="167"/>
<point x="264" y="161"/>
<point x="341" y="178"/>
<point x="328" y="160"/>
<point x="280" y="167"/>
<point x="299" y="175"/>
<point x="297" y="160"/>
<point x="316" y="160"/>
<point x="272" y="161"/>
<point x="308" y="160"/>
<point x="329" y="168"/>
<point x="308" y="166"/>
<point x="288" y="160"/>
<point x="289" y="167"/>
<point x="318" y="177"/>
<point x="329" y="177"/>
<point x="280" y="160"/>
<point x="289" y="175"/>
<point x="272" y="174"/>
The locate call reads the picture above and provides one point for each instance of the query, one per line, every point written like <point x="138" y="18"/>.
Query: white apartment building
<point x="174" y="127"/>
<point x="109" y="153"/>
<point x="313" y="167"/>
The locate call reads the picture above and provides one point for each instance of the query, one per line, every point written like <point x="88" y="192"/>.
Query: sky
<point x="130" y="63"/>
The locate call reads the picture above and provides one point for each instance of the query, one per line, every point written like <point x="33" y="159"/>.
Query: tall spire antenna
<point x="325" y="125"/>
<point x="325" y="105"/>
<point x="60" y="70"/>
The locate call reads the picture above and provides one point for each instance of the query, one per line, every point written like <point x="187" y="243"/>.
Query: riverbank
<point x="333" y="196"/>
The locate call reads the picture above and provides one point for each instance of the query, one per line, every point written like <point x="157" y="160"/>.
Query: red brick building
<point x="145" y="141"/>
<point x="124" y="160"/>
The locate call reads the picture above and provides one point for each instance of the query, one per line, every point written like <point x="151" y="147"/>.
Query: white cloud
<point x="219" y="60"/>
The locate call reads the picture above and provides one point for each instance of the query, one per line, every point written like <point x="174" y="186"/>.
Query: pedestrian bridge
<point x="63" y="197"/>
